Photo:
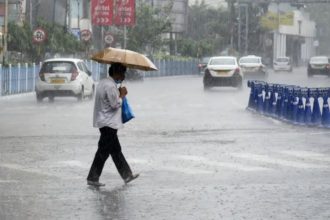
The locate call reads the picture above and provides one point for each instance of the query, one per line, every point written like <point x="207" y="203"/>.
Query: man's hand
<point x="122" y="92"/>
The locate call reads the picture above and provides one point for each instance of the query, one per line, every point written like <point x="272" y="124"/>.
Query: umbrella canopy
<point x="129" y="58"/>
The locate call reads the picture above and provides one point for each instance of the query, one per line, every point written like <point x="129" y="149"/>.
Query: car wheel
<point x="239" y="83"/>
<point x="206" y="83"/>
<point x="39" y="97"/>
<point x="206" y="87"/>
<point x="92" y="94"/>
<point x="81" y="96"/>
<point x="51" y="98"/>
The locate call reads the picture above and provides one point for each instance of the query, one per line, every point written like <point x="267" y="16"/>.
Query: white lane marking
<point x="160" y="166"/>
<point x="20" y="168"/>
<point x="9" y="181"/>
<point x="185" y="170"/>
<point x="73" y="163"/>
<point x="235" y="166"/>
<point x="308" y="155"/>
<point x="276" y="161"/>
<point x="138" y="161"/>
<point x="38" y="172"/>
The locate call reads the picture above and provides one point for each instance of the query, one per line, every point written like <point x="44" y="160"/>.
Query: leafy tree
<point x="209" y="30"/>
<point x="320" y="14"/>
<point x="146" y="35"/>
<point x="19" y="37"/>
<point x="206" y="33"/>
<point x="58" y="40"/>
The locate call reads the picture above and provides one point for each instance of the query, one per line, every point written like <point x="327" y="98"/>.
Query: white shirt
<point x="107" y="106"/>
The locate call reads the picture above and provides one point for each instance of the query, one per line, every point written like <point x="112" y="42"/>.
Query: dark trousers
<point x="108" y="145"/>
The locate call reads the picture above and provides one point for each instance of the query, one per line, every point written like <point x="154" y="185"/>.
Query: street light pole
<point x="5" y="33"/>
<point x="246" y="29"/>
<point x="30" y="17"/>
<point x="78" y="3"/>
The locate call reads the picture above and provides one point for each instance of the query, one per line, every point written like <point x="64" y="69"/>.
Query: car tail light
<point x="200" y="65"/>
<point x="74" y="74"/>
<point x="42" y="76"/>
<point x="237" y="70"/>
<point x="327" y="66"/>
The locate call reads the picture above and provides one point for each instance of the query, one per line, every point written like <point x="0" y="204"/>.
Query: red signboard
<point x="124" y="12"/>
<point x="101" y="11"/>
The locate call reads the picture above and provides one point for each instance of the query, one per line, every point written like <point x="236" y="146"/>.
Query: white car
<point x="64" y="77"/>
<point x="222" y="71"/>
<point x="252" y="65"/>
<point x="318" y="65"/>
<point x="282" y="64"/>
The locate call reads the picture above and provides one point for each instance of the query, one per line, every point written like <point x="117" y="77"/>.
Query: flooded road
<point x="201" y="155"/>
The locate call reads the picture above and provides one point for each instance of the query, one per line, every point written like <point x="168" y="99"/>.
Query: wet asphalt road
<point x="201" y="155"/>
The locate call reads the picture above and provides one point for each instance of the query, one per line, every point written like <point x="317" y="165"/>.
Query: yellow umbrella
<point x="129" y="58"/>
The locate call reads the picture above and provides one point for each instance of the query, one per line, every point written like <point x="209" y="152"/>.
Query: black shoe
<point x="95" y="183"/>
<point x="131" y="177"/>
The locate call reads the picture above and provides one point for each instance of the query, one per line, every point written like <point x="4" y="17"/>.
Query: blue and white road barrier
<point x="289" y="103"/>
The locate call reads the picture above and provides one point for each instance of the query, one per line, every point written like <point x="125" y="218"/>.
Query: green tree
<point x="146" y="35"/>
<point x="19" y="37"/>
<point x="58" y="41"/>
<point x="206" y="33"/>
<point x="320" y="14"/>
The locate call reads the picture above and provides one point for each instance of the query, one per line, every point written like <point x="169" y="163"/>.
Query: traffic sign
<point x="39" y="35"/>
<point x="85" y="35"/>
<point x="102" y="11"/>
<point x="108" y="38"/>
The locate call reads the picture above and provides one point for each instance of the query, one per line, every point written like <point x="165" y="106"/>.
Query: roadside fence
<point x="293" y="104"/>
<point x="21" y="78"/>
<point x="18" y="78"/>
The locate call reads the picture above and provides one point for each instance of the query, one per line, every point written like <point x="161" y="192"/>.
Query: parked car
<point x="222" y="71"/>
<point x="252" y="65"/>
<point x="282" y="64"/>
<point x="202" y="64"/>
<point x="318" y="65"/>
<point x="64" y="77"/>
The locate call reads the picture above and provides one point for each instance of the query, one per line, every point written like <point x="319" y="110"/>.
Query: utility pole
<point x="232" y="21"/>
<point x="243" y="28"/>
<point x="30" y="12"/>
<point x="54" y="11"/>
<point x="239" y="29"/>
<point x="4" y="36"/>
<point x="246" y="28"/>
<point x="78" y="3"/>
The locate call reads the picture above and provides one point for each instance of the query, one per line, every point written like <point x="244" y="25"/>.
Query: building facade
<point x="293" y="38"/>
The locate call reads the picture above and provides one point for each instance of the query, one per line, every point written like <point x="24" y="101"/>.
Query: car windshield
<point x="282" y="59"/>
<point x="319" y="59"/>
<point x="222" y="61"/>
<point x="250" y="60"/>
<point x="57" y="67"/>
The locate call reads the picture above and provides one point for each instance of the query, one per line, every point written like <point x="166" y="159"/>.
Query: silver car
<point x="252" y="65"/>
<point x="222" y="71"/>
<point x="318" y="65"/>
<point x="282" y="64"/>
<point x="64" y="77"/>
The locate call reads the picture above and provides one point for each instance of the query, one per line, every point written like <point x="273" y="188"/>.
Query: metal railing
<point x="21" y="78"/>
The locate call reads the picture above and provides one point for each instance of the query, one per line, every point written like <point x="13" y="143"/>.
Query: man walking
<point x="107" y="117"/>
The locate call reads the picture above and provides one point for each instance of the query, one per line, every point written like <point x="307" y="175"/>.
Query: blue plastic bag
<point x="126" y="111"/>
